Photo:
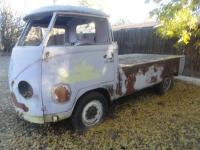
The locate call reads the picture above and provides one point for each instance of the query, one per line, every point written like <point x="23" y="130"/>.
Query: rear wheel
<point x="89" y="111"/>
<point x="165" y="85"/>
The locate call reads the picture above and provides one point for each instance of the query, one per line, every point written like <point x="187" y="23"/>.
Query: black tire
<point x="165" y="85"/>
<point x="80" y="109"/>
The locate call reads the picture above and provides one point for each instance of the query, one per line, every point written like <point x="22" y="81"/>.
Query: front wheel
<point x="90" y="110"/>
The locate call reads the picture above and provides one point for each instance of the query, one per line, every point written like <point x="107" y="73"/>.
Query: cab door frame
<point x="55" y="52"/>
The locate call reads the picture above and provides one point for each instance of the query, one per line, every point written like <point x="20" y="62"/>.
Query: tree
<point x="179" y="19"/>
<point x="10" y="28"/>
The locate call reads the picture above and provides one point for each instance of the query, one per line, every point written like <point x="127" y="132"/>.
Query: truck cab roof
<point x="49" y="10"/>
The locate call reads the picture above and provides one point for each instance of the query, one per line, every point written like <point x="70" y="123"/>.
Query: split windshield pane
<point x="35" y="32"/>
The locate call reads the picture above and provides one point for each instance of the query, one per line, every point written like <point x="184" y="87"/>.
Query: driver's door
<point x="77" y="65"/>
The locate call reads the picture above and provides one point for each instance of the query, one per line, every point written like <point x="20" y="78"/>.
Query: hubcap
<point x="92" y="113"/>
<point x="166" y="83"/>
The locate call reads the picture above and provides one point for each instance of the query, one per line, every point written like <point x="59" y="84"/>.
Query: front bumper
<point x="43" y="119"/>
<point x="22" y="111"/>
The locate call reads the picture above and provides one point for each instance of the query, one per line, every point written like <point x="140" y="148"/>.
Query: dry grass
<point x="141" y="121"/>
<point x="151" y="121"/>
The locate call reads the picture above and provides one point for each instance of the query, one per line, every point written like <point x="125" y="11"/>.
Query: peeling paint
<point x="82" y="71"/>
<point x="153" y="73"/>
<point x="120" y="85"/>
<point x="150" y="77"/>
<point x="137" y="77"/>
<point x="19" y="105"/>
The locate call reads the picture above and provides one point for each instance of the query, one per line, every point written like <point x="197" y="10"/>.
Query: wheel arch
<point x="100" y="90"/>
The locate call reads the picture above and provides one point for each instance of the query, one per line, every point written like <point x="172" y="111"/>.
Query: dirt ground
<point x="141" y="121"/>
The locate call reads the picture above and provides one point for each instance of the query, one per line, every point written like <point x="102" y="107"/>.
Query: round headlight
<point x="25" y="89"/>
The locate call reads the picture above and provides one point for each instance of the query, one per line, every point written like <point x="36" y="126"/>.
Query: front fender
<point x="32" y="75"/>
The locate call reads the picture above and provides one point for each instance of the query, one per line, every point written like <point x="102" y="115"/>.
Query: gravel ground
<point x="141" y="121"/>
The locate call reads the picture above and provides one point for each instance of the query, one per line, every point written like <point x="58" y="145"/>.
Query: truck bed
<point x="138" y="71"/>
<point x="137" y="59"/>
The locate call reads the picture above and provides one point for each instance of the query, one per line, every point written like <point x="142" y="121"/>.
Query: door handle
<point x="109" y="57"/>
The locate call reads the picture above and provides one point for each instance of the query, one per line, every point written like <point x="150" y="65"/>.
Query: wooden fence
<point x="145" y="40"/>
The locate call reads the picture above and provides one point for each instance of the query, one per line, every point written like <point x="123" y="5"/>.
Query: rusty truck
<point x="66" y="65"/>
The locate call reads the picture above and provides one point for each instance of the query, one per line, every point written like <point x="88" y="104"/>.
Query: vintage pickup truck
<point x="66" y="65"/>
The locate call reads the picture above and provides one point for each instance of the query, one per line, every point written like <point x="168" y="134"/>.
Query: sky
<point x="135" y="11"/>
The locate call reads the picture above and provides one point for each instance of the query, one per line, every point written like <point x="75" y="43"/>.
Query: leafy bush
<point x="179" y="19"/>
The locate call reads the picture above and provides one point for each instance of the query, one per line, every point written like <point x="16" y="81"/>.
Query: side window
<point x="57" y="37"/>
<point x="79" y="31"/>
<point x="86" y="34"/>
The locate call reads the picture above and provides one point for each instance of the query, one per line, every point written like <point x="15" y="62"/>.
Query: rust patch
<point x="171" y="67"/>
<point x="17" y="104"/>
<point x="62" y="94"/>
<point x="129" y="82"/>
<point x="153" y="79"/>
<point x="118" y="90"/>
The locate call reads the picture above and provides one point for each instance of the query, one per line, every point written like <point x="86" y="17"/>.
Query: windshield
<point x="34" y="32"/>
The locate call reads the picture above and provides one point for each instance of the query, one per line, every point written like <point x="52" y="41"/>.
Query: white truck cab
<point x="66" y="64"/>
